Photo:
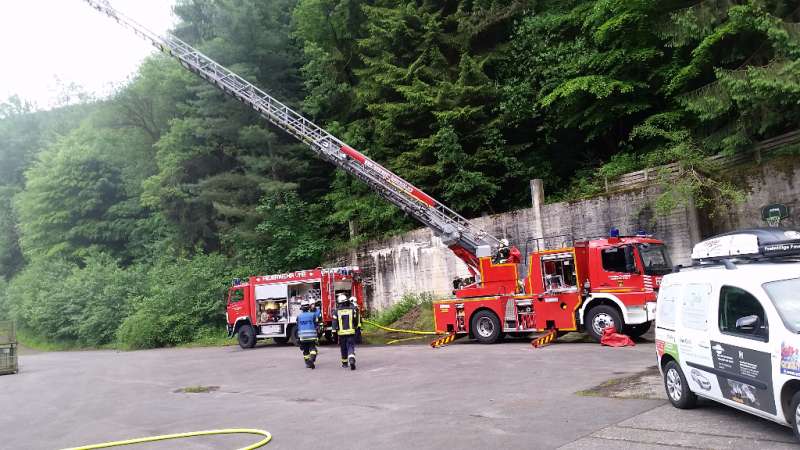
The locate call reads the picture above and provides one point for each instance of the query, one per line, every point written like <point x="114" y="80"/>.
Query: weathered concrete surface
<point x="710" y="426"/>
<point x="462" y="396"/>
<point x="778" y="181"/>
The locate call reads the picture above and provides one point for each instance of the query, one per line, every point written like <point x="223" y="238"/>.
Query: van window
<point x="741" y="314"/>
<point x="785" y="295"/>
<point x="619" y="259"/>
<point x="665" y="311"/>
<point x="694" y="306"/>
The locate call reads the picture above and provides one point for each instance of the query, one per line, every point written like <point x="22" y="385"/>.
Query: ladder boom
<point x="456" y="231"/>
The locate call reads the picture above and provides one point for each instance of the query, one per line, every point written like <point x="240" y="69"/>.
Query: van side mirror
<point x="748" y="323"/>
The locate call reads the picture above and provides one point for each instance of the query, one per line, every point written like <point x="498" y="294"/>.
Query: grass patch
<point x="197" y="389"/>
<point x="412" y="312"/>
<point x="210" y="337"/>
<point x="401" y="308"/>
<point x="26" y="339"/>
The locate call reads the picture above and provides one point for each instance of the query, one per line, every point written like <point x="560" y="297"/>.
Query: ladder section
<point x="454" y="229"/>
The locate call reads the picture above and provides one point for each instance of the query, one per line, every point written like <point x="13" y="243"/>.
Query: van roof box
<point x="754" y="243"/>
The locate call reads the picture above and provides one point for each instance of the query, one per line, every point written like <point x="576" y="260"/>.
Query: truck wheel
<point x="794" y="414"/>
<point x="678" y="391"/>
<point x="599" y="318"/>
<point x="637" y="330"/>
<point x="247" y="336"/>
<point x="486" y="327"/>
<point x="295" y="338"/>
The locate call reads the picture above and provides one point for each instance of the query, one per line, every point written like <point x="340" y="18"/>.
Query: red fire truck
<point x="600" y="282"/>
<point x="586" y="285"/>
<point x="267" y="306"/>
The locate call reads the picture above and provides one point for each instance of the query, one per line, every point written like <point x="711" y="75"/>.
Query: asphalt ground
<point x="462" y="396"/>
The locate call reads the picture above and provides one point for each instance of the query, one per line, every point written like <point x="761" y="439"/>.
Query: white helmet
<point x="341" y="298"/>
<point x="305" y="303"/>
<point x="504" y="242"/>
<point x="353" y="300"/>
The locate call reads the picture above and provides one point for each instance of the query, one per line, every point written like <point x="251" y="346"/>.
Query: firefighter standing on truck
<point x="307" y="325"/>
<point x="346" y="321"/>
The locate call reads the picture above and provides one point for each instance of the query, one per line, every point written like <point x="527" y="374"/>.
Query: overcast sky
<point x="48" y="44"/>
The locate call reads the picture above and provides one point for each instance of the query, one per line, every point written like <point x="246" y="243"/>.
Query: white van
<point x="727" y="327"/>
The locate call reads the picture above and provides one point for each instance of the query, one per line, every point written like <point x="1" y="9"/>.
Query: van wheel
<point x="599" y="318"/>
<point x="794" y="415"/>
<point x="486" y="327"/>
<point x="247" y="336"/>
<point x="638" y="330"/>
<point x="678" y="391"/>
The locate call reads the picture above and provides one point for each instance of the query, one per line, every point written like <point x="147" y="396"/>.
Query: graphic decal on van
<point x="744" y="375"/>
<point x="790" y="360"/>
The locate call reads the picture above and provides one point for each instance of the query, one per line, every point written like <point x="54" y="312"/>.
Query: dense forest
<point x="122" y="220"/>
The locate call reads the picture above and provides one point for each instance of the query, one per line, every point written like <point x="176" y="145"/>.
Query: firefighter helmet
<point x="305" y="304"/>
<point x="353" y="299"/>
<point x="341" y="298"/>
<point x="504" y="242"/>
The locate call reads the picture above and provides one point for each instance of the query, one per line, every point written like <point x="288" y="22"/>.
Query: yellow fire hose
<point x="400" y="331"/>
<point x="259" y="444"/>
<point x="394" y="341"/>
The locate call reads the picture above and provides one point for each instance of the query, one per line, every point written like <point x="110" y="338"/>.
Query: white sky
<point x="48" y="44"/>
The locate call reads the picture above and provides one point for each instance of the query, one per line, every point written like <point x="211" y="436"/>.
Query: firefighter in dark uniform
<point x="307" y="326"/>
<point x="346" y="322"/>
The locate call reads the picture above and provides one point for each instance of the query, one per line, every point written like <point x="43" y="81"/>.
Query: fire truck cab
<point x="267" y="306"/>
<point x="586" y="286"/>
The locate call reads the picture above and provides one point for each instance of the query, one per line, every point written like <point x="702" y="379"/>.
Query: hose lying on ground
<point x="259" y="444"/>
<point x="400" y="331"/>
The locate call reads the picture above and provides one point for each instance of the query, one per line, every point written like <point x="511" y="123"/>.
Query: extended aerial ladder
<point x="466" y="240"/>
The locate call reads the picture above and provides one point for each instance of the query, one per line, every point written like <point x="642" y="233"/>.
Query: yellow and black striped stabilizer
<point x="547" y="339"/>
<point x="442" y="341"/>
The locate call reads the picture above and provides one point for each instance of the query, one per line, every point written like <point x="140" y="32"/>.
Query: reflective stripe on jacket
<point x="347" y="321"/>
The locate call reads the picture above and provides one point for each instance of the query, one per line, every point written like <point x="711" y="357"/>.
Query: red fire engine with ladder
<point x="589" y="284"/>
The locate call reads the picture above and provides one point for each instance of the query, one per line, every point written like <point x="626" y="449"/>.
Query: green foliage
<point x="401" y="308"/>
<point x="68" y="303"/>
<point x="183" y="298"/>
<point x="73" y="201"/>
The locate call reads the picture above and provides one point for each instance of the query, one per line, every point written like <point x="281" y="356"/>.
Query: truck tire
<point x="794" y="415"/>
<point x="294" y="337"/>
<point x="677" y="388"/>
<point x="485" y="327"/>
<point x="638" y="330"/>
<point x="247" y="336"/>
<point x="600" y="317"/>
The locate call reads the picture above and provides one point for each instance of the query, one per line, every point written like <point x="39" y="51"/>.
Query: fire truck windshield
<point x="655" y="259"/>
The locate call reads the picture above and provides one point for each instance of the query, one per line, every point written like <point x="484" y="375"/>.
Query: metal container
<point x="8" y="359"/>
